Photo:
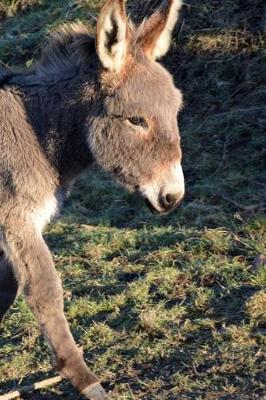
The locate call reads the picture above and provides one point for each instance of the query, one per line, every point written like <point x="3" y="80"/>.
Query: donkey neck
<point x="58" y="112"/>
<point x="58" y="94"/>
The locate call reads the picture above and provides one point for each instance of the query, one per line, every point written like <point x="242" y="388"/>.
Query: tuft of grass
<point x="256" y="308"/>
<point x="173" y="307"/>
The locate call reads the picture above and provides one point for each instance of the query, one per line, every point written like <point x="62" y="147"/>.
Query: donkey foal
<point x="103" y="100"/>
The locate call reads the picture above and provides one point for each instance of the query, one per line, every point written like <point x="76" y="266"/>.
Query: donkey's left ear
<point x="156" y="31"/>
<point x="111" y="37"/>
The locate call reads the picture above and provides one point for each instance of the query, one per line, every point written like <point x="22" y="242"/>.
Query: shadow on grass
<point x="39" y="396"/>
<point x="229" y="307"/>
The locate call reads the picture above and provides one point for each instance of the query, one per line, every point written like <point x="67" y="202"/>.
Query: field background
<point x="174" y="307"/>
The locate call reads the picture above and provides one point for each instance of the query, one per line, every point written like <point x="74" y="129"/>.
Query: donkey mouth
<point x="159" y="212"/>
<point x="151" y="207"/>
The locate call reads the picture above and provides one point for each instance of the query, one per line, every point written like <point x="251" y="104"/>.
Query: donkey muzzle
<point x="163" y="195"/>
<point x="168" y="203"/>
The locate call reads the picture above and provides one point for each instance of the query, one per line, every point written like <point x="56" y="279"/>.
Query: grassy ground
<point x="174" y="307"/>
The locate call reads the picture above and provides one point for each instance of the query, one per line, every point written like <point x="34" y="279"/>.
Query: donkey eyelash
<point x="138" y="121"/>
<point x="135" y="121"/>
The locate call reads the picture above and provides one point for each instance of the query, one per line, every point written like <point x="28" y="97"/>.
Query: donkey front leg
<point x="43" y="290"/>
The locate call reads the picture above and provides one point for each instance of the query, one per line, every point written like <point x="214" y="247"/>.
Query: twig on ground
<point x="26" y="389"/>
<point x="251" y="208"/>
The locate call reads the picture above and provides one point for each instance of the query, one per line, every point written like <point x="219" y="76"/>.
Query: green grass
<point x="174" y="307"/>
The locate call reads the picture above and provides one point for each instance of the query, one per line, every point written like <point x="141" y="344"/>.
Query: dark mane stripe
<point x="68" y="48"/>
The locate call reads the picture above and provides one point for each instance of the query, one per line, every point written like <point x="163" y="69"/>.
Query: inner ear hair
<point x="111" y="41"/>
<point x="112" y="35"/>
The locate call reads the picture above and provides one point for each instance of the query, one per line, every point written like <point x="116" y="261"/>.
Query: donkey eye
<point x="138" y="121"/>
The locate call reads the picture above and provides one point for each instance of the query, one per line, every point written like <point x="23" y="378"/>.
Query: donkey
<point x="101" y="99"/>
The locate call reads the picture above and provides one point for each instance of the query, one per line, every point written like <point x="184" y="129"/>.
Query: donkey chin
<point x="162" y="196"/>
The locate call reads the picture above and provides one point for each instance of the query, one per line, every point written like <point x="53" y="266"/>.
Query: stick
<point x="30" y="388"/>
<point x="251" y="208"/>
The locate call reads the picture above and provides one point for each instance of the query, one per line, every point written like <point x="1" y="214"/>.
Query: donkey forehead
<point x="150" y="81"/>
<point x="149" y="87"/>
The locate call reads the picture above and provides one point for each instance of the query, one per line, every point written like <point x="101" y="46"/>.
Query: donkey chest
<point x="49" y="208"/>
<point x="44" y="213"/>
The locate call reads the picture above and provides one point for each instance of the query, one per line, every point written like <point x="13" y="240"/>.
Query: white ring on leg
<point x="94" y="392"/>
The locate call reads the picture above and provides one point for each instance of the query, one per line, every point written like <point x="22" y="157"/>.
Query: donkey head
<point x="136" y="136"/>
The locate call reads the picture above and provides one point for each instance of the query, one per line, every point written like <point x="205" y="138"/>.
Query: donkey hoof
<point x="95" y="392"/>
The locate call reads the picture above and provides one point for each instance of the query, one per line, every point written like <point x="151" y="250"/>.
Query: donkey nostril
<point x="171" y="199"/>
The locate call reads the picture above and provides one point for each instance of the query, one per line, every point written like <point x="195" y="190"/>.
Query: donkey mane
<point x="69" y="48"/>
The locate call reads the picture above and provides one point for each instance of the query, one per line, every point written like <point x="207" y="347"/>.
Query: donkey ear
<point x="156" y="31"/>
<point x="111" y="42"/>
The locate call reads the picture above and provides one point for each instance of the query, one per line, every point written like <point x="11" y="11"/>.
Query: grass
<point x="173" y="307"/>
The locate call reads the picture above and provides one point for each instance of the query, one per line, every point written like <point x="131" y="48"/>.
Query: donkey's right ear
<point x="111" y="40"/>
